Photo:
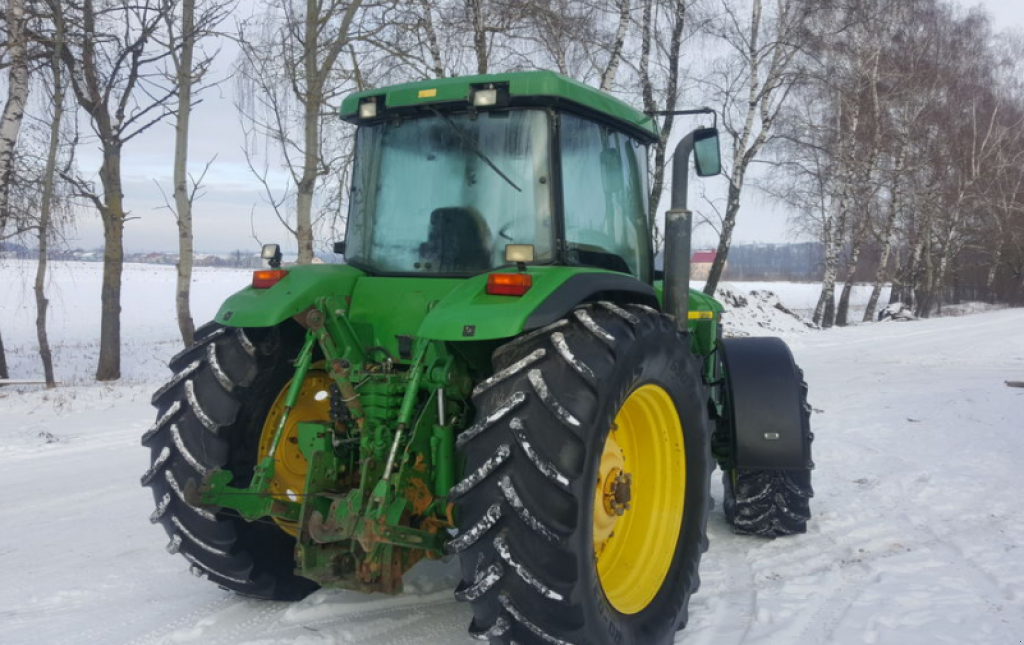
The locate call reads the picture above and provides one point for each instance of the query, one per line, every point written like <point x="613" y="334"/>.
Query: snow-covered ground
<point x="918" y="534"/>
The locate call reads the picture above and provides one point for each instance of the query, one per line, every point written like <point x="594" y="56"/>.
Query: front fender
<point x="299" y="290"/>
<point x="469" y="313"/>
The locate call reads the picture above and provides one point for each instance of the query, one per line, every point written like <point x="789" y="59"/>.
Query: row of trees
<point x="884" y="121"/>
<point x="906" y="133"/>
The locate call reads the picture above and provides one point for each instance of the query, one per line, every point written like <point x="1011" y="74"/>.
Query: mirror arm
<point x="703" y="110"/>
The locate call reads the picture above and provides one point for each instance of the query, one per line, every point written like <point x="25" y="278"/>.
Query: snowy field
<point x="918" y="534"/>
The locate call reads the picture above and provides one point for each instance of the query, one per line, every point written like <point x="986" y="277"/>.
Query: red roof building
<point x="700" y="264"/>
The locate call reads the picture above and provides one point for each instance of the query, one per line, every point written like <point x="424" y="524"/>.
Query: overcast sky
<point x="232" y="197"/>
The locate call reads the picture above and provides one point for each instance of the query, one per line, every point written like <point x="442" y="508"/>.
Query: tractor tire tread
<point x="196" y="409"/>
<point x="521" y="490"/>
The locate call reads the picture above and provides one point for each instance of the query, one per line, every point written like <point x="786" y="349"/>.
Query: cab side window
<point x="604" y="188"/>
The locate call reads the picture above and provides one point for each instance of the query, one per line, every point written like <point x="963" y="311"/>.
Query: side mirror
<point x="707" y="153"/>
<point x="339" y="248"/>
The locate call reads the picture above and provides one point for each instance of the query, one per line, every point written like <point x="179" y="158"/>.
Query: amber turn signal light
<point x="267" y="278"/>
<point x="509" y="284"/>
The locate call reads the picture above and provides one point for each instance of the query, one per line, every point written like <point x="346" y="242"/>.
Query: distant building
<point x="700" y="264"/>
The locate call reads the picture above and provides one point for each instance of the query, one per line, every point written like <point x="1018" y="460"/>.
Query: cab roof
<point x="538" y="88"/>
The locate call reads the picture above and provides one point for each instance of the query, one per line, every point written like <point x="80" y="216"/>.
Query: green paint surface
<point x="521" y="84"/>
<point x="381" y="309"/>
<point x="469" y="313"/>
<point x="296" y="292"/>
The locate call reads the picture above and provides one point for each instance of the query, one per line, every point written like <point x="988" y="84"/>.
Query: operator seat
<point x="458" y="241"/>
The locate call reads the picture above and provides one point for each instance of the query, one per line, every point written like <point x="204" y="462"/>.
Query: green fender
<point x="445" y="309"/>
<point x="469" y="313"/>
<point x="296" y="292"/>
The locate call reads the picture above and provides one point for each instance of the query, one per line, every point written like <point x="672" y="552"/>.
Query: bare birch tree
<point x="45" y="228"/>
<point x="618" y="43"/>
<point x="184" y="31"/>
<point x="660" y="77"/>
<point x="15" y="18"/>
<point x="116" y="74"/>
<point x="752" y="85"/>
<point x="290" y="69"/>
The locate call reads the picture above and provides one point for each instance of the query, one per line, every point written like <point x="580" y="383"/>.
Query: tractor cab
<point x="450" y="173"/>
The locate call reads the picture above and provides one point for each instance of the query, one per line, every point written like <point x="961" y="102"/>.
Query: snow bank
<point x="757" y="313"/>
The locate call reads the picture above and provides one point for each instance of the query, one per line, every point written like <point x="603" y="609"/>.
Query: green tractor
<point x="496" y="373"/>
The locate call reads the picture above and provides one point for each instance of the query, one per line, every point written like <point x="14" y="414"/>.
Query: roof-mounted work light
<point x="272" y="254"/>
<point x="368" y="108"/>
<point x="485" y="98"/>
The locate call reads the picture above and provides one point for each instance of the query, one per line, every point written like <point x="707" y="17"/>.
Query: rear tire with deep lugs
<point x="533" y="512"/>
<point x="210" y="415"/>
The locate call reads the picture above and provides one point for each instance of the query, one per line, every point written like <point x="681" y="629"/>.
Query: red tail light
<point x="509" y="284"/>
<point x="267" y="278"/>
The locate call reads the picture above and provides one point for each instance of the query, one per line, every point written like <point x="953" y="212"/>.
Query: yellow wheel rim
<point x="290" y="465"/>
<point x="639" y="499"/>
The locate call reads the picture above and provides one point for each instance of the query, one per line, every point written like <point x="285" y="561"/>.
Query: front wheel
<point x="770" y="502"/>
<point x="582" y="517"/>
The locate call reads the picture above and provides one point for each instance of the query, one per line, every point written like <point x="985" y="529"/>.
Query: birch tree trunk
<point x="824" y="312"/>
<point x="913" y="269"/>
<point x="887" y="235"/>
<point x="883" y="267"/>
<point x="17" y="96"/>
<point x="926" y="286"/>
<point x="608" y="77"/>
<point x="4" y="373"/>
<point x="671" y="98"/>
<point x="311" y="106"/>
<point x="299" y="85"/>
<point x="843" y="310"/>
<point x="13" y="114"/>
<point x="476" y="12"/>
<point x="182" y="200"/>
<point x="432" y="44"/>
<point x="766" y="93"/>
<point x="46" y="205"/>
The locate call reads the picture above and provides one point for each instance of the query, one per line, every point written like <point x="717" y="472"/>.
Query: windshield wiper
<point x="476" y="149"/>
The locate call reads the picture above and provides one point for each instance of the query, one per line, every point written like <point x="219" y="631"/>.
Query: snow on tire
<point x="525" y="504"/>
<point x="771" y="503"/>
<point x="209" y="415"/>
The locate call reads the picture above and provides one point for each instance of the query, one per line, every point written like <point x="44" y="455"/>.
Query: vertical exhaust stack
<point x="678" y="231"/>
<point x="679" y="219"/>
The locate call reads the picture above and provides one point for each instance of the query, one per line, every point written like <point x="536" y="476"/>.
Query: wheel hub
<point x="618" y="492"/>
<point x="290" y="465"/>
<point x="607" y="510"/>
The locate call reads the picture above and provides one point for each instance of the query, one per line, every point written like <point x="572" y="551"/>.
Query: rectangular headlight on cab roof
<point x="368" y="109"/>
<point x="485" y="98"/>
